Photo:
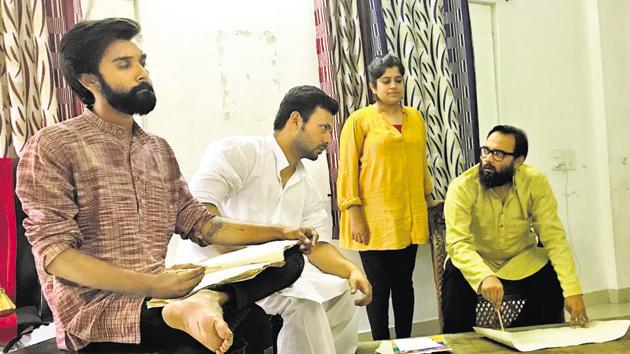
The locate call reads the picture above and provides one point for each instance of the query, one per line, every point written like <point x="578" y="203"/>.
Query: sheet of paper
<point x="525" y="341"/>
<point x="386" y="347"/>
<point x="223" y="276"/>
<point x="409" y="344"/>
<point x="236" y="266"/>
<point x="264" y="253"/>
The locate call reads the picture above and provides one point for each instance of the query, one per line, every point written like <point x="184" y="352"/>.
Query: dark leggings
<point x="249" y="323"/>
<point x="390" y="271"/>
<point x="544" y="301"/>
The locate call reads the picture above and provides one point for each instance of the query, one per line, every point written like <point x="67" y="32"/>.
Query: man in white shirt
<point x="261" y="179"/>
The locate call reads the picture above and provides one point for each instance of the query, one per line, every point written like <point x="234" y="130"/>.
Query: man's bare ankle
<point x="218" y="296"/>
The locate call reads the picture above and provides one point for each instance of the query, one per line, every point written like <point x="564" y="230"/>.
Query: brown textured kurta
<point x="84" y="184"/>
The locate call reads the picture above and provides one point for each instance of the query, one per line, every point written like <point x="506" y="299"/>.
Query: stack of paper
<point x="236" y="266"/>
<point x="419" y="345"/>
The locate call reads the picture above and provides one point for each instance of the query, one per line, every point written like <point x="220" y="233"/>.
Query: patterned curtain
<point x="341" y="72"/>
<point x="61" y="15"/>
<point x="28" y="101"/>
<point x="415" y="32"/>
<point x="372" y="34"/>
<point x="372" y="31"/>
<point x="461" y="61"/>
<point x="29" y="72"/>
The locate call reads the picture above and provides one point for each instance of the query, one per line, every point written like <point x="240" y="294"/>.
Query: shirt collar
<point x="281" y="159"/>
<point x="111" y="128"/>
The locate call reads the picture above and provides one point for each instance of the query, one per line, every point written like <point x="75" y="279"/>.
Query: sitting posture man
<point x="103" y="198"/>
<point x="494" y="214"/>
<point x="261" y="179"/>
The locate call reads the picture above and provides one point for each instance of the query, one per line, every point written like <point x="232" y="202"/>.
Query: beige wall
<point x="615" y="56"/>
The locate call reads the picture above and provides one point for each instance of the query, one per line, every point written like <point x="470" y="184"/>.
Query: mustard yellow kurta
<point x="485" y="236"/>
<point x="385" y="172"/>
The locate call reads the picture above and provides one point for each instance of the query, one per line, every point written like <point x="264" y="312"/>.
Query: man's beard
<point x="139" y="100"/>
<point x="314" y="154"/>
<point x="306" y="152"/>
<point x="491" y="178"/>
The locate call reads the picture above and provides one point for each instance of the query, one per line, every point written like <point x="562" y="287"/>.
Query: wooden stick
<point x="500" y="319"/>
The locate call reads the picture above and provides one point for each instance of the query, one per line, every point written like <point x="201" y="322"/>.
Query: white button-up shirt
<point x="241" y="176"/>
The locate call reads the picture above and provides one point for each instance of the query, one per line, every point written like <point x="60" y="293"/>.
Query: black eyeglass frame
<point x="497" y="154"/>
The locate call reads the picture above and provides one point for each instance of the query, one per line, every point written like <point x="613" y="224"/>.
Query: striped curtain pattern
<point x="341" y="71"/>
<point x="61" y="15"/>
<point x="461" y="60"/>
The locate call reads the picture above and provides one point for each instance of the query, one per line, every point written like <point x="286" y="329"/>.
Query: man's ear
<point x="519" y="161"/>
<point x="295" y="120"/>
<point x="90" y="82"/>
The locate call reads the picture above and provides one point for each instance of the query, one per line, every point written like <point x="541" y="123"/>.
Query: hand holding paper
<point x="176" y="281"/>
<point x="307" y="236"/>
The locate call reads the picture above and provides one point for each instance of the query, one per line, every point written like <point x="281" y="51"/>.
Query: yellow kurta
<point x="485" y="236"/>
<point x="386" y="173"/>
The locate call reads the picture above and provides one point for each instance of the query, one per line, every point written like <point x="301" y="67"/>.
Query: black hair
<point x="378" y="66"/>
<point x="521" y="145"/>
<point x="303" y="99"/>
<point x="82" y="49"/>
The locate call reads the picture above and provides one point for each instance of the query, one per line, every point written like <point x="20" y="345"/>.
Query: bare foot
<point x="201" y="317"/>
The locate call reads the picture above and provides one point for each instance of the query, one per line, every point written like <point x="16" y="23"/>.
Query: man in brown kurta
<point x="103" y="198"/>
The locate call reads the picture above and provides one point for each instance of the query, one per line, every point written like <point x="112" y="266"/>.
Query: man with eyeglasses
<point x="503" y="231"/>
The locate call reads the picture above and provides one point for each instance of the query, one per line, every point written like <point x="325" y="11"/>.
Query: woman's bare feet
<point x="201" y="317"/>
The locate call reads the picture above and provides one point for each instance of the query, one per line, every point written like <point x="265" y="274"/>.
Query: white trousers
<point x="310" y="327"/>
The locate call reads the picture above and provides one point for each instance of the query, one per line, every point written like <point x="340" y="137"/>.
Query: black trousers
<point x="544" y="302"/>
<point x="390" y="271"/>
<point x="251" y="326"/>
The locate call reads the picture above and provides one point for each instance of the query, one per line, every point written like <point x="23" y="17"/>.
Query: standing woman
<point x="384" y="188"/>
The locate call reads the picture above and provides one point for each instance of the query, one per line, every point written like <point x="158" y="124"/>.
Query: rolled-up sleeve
<point x="45" y="188"/>
<point x="191" y="215"/>
<point x="350" y="147"/>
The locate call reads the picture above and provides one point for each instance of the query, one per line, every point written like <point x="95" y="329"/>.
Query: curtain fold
<point x="342" y="73"/>
<point x="61" y="15"/>
<point x="461" y="61"/>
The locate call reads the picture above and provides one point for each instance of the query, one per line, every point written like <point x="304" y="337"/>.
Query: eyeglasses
<point x="497" y="154"/>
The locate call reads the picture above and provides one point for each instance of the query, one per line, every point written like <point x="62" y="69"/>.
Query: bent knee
<point x="303" y="310"/>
